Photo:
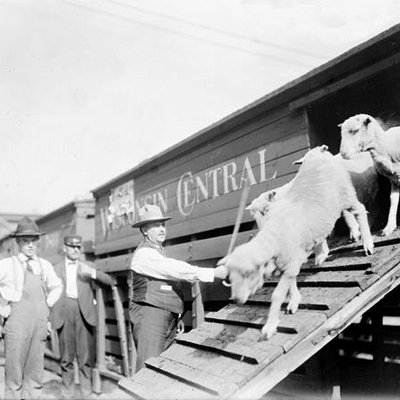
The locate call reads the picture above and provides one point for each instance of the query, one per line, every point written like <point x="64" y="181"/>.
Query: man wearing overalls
<point x="28" y="288"/>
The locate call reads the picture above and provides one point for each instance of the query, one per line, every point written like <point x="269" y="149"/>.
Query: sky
<point x="91" y="88"/>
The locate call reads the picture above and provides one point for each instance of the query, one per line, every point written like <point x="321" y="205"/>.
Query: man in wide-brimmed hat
<point x="29" y="287"/>
<point x="156" y="299"/>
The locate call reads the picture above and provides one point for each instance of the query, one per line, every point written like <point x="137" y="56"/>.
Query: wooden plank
<point x="232" y="341"/>
<point x="100" y="340"/>
<point x="276" y="371"/>
<point x="289" y="136"/>
<point x="332" y="279"/>
<point x="379" y="242"/>
<point x="267" y="130"/>
<point x="197" y="305"/>
<point x="255" y="317"/>
<point x="386" y="258"/>
<point x="112" y="264"/>
<point x="148" y="384"/>
<point x="352" y="259"/>
<point x="291" y="329"/>
<point x="229" y="369"/>
<point x="215" y="247"/>
<point x="113" y="346"/>
<point x="207" y="382"/>
<point x="132" y="350"/>
<point x="367" y="347"/>
<point x="100" y="327"/>
<point x="352" y="79"/>
<point x="121" y="324"/>
<point x="326" y="299"/>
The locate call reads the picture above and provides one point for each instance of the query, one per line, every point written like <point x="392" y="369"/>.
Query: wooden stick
<point x="242" y="204"/>
<point x="239" y="216"/>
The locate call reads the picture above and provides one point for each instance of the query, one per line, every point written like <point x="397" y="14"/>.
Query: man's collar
<point x="156" y="245"/>
<point x="22" y="257"/>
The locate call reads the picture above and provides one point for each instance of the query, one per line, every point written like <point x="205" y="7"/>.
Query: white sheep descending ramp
<point x="224" y="357"/>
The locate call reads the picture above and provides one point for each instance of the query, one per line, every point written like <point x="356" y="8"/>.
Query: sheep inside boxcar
<point x="363" y="133"/>
<point x="304" y="217"/>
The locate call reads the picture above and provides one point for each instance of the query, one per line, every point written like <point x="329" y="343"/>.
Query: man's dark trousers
<point x="76" y="337"/>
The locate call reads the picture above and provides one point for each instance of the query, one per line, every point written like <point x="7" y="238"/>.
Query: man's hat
<point x="27" y="227"/>
<point x="73" y="240"/>
<point x="149" y="213"/>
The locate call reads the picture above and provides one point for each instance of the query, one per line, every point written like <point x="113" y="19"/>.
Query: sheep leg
<point x="321" y="251"/>
<point x="295" y="298"/>
<point x="278" y="297"/>
<point x="352" y="224"/>
<point x="360" y="213"/>
<point x="392" y="219"/>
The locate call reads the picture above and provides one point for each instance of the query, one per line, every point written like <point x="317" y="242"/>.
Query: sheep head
<point x="262" y="203"/>
<point x="358" y="134"/>
<point x="245" y="267"/>
<point x="318" y="151"/>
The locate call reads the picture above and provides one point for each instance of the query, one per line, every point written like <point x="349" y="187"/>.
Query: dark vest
<point x="147" y="290"/>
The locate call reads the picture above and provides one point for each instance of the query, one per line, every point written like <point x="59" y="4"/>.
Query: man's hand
<point x="85" y="270"/>
<point x="220" y="272"/>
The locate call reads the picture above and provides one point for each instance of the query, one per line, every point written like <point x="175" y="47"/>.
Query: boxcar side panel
<point x="201" y="188"/>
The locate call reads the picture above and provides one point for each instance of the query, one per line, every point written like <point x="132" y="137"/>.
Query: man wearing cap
<point x="28" y="287"/>
<point x="74" y="316"/>
<point x="156" y="300"/>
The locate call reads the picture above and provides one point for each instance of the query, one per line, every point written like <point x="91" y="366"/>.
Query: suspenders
<point x="41" y="272"/>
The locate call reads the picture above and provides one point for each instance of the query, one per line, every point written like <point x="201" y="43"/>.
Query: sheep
<point x="365" y="181"/>
<point x="363" y="133"/>
<point x="260" y="206"/>
<point x="302" y="218"/>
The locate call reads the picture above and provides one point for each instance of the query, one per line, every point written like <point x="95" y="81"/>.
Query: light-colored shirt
<point x="150" y="262"/>
<point x="12" y="272"/>
<point x="71" y="289"/>
<point x="72" y="269"/>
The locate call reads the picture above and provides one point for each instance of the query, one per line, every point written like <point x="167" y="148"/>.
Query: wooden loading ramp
<point x="224" y="357"/>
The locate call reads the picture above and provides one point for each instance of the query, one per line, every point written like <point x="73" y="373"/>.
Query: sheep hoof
<point x="267" y="331"/>
<point x="292" y="307"/>
<point x="355" y="237"/>
<point x="388" y="230"/>
<point x="369" y="248"/>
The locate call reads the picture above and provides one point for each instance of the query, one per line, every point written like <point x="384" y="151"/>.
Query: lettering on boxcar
<point x="191" y="189"/>
<point x="159" y="198"/>
<point x="121" y="209"/>
<point x="221" y="180"/>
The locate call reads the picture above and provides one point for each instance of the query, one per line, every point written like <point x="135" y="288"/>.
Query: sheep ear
<point x="367" y="121"/>
<point x="248" y="207"/>
<point x="324" y="147"/>
<point x="299" y="161"/>
<point x="340" y="125"/>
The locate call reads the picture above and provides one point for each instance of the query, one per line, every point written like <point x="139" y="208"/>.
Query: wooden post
<point x="119" y="312"/>
<point x="378" y="342"/>
<point x="132" y="349"/>
<point x="197" y="305"/>
<point x="100" y="340"/>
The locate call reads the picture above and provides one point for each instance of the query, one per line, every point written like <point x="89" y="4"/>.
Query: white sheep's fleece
<point x="302" y="218"/>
